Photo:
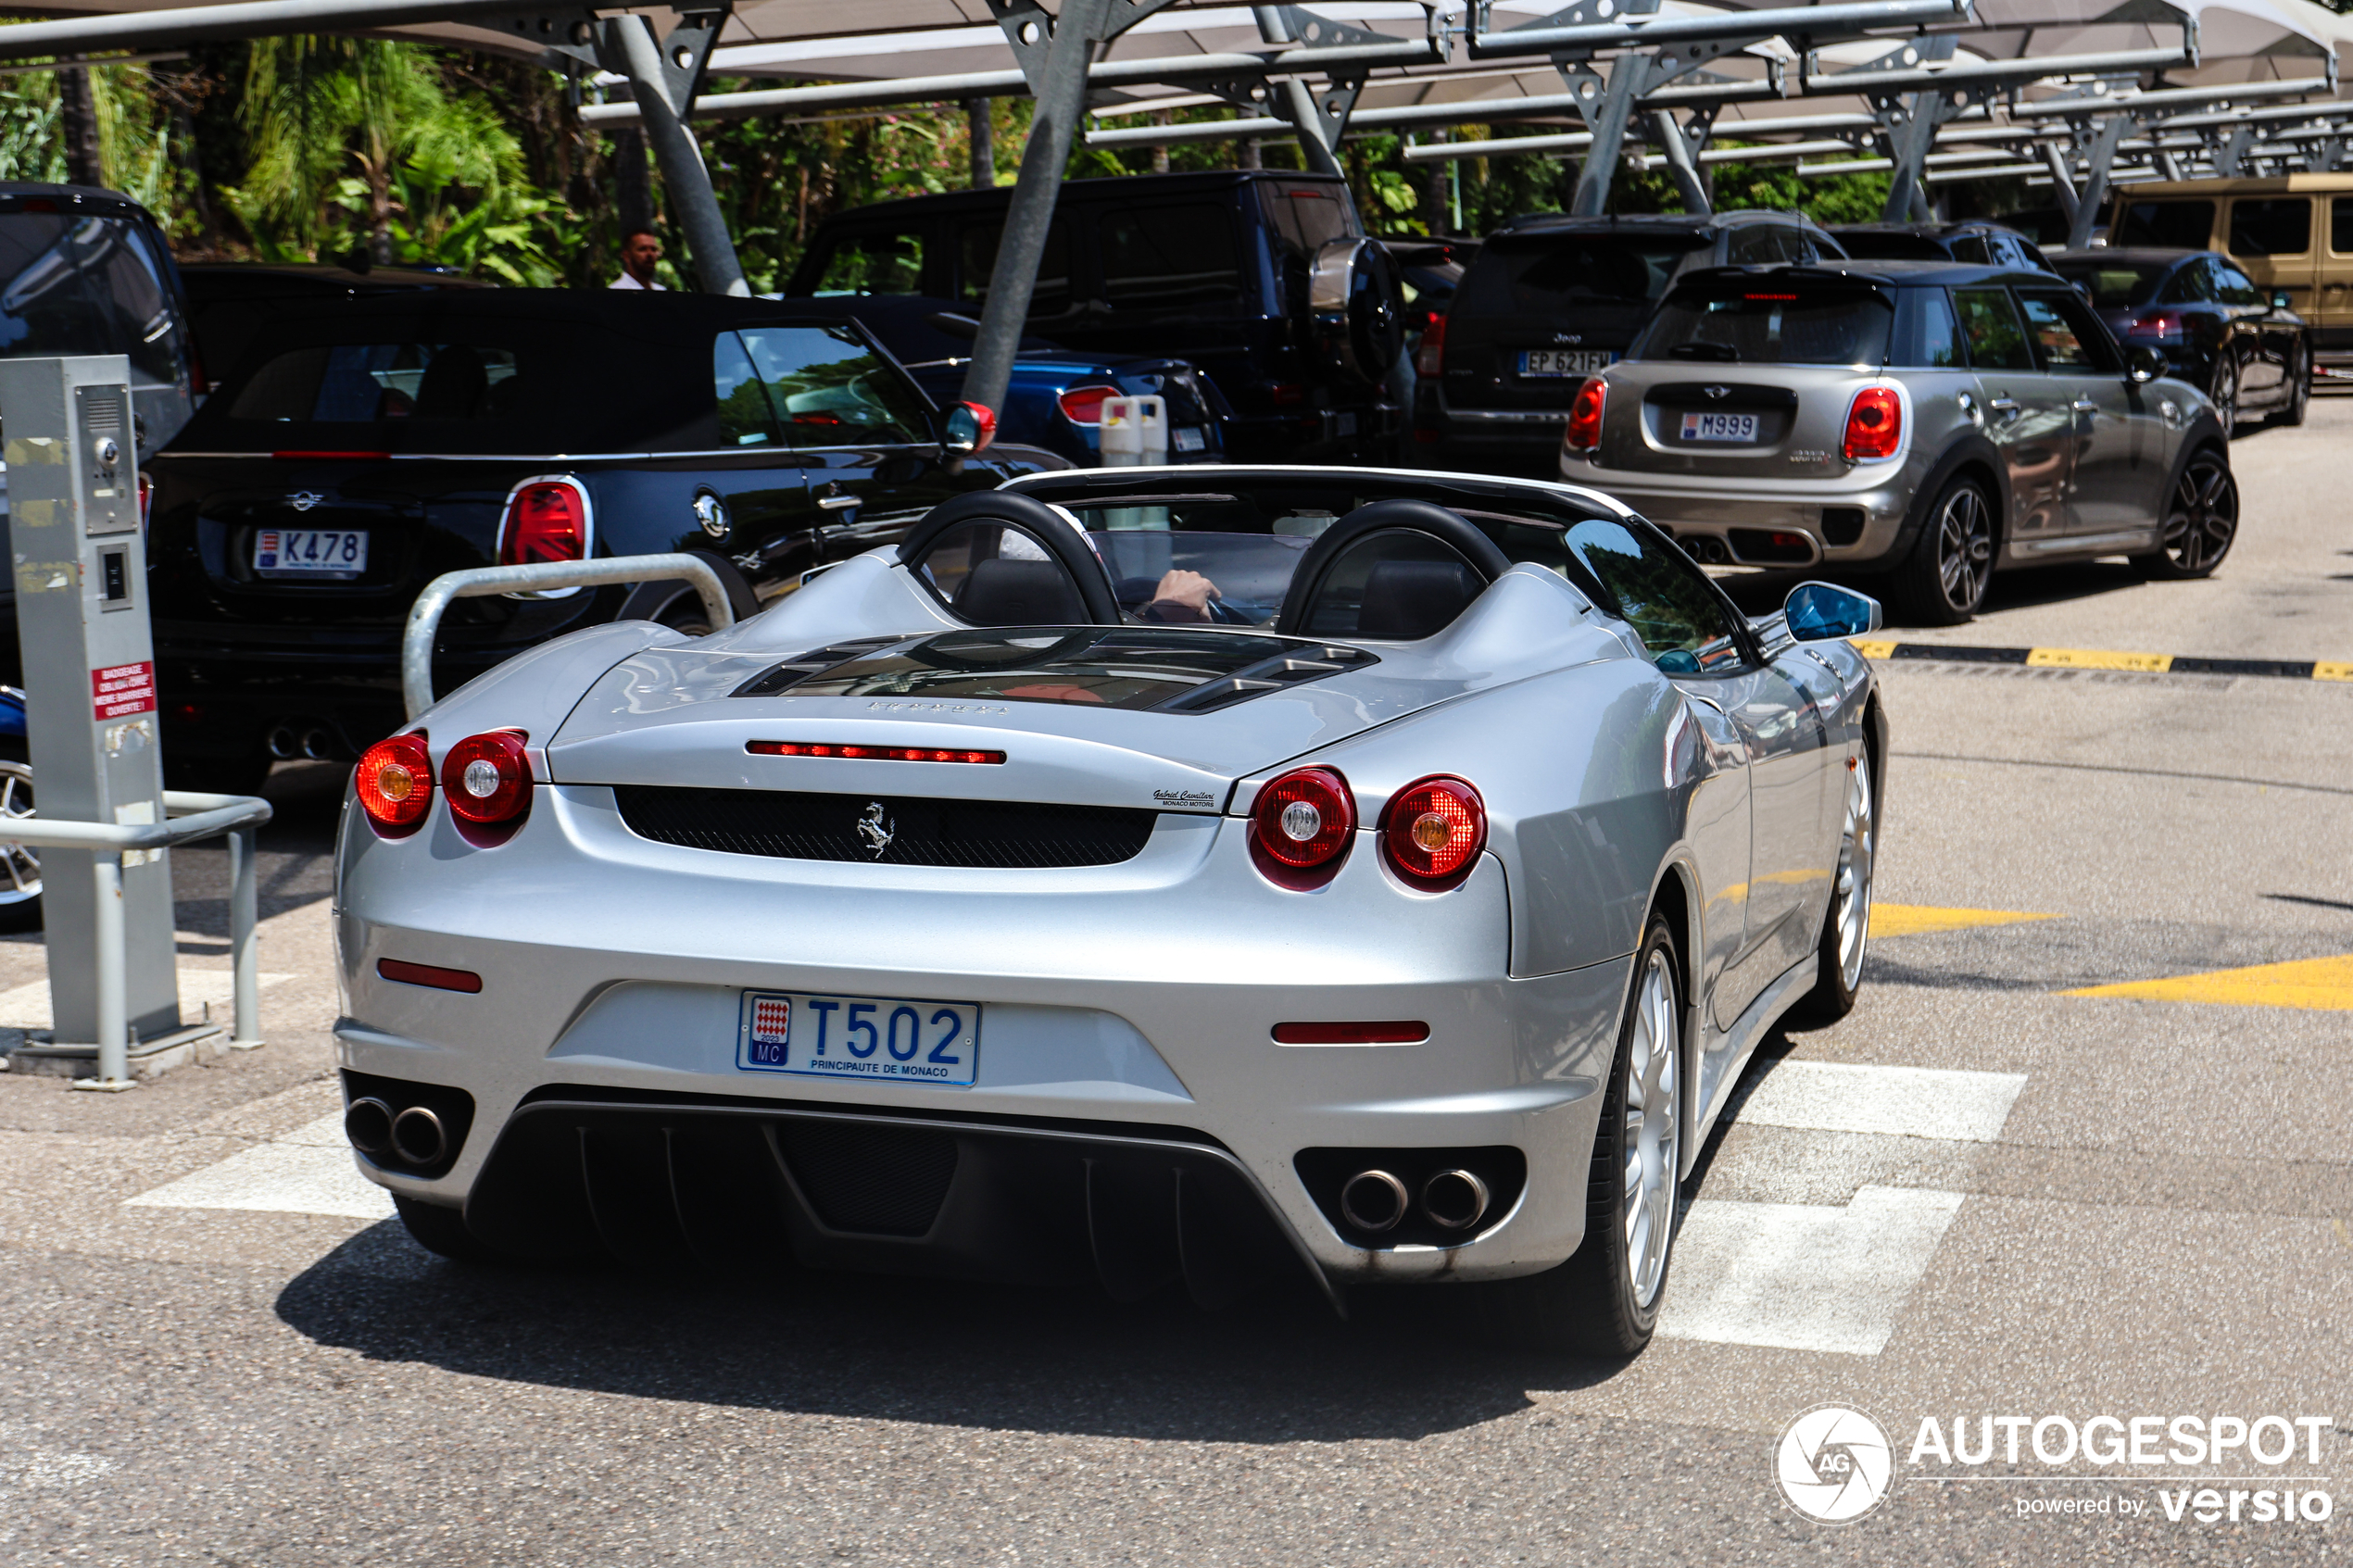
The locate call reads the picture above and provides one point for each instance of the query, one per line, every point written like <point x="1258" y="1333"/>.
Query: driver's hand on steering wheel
<point x="1182" y="596"/>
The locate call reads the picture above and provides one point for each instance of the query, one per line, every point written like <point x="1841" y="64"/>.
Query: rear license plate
<point x="1191" y="440"/>
<point x="890" y="1038"/>
<point x="1720" y="427"/>
<point x="310" y="552"/>
<point x="1564" y="361"/>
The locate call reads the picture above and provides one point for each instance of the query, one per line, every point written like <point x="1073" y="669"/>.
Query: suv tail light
<point x="395" y="784"/>
<point x="2155" y="326"/>
<point x="1300" y="827"/>
<point x="488" y="779"/>
<point x="146" y="496"/>
<point x="1584" y="432"/>
<point x="547" y="520"/>
<point x="1430" y="360"/>
<point x="1084" y="405"/>
<point x="1432" y="831"/>
<point x="1874" y="424"/>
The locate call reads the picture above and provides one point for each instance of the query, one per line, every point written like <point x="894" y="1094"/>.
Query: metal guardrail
<point x="201" y="816"/>
<point x="424" y="616"/>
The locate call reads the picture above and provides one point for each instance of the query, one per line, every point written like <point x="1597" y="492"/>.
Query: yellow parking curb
<point x="2093" y="658"/>
<point x="1880" y="650"/>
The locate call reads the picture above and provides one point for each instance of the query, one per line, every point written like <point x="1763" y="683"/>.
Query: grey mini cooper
<point x="1931" y="421"/>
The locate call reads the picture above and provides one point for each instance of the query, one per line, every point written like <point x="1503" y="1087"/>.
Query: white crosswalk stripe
<point x="1914" y="1102"/>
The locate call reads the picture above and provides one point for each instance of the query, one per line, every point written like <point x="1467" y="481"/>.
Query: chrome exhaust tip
<point x="1455" y="1200"/>
<point x="284" y="744"/>
<point x="368" y="1124"/>
<point x="318" y="745"/>
<point x="1373" y="1200"/>
<point x="416" y="1137"/>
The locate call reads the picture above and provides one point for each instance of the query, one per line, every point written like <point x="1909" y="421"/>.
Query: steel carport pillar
<point x="1054" y="52"/>
<point x="2099" y="158"/>
<point x="663" y="84"/>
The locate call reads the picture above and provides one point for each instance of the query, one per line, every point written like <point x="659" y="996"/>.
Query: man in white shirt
<point x="640" y="251"/>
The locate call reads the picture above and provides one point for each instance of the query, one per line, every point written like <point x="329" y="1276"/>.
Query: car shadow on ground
<point x="1761" y="593"/>
<point x="1278" y="1367"/>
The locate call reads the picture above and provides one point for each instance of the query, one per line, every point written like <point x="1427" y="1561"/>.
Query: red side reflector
<point x="1394" y="1032"/>
<point x="869" y="753"/>
<point x="331" y="457"/>
<point x="427" y="974"/>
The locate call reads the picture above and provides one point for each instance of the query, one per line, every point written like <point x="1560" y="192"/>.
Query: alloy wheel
<point x="1654" y="1128"/>
<point x="2203" y="518"/>
<point x="19" y="862"/>
<point x="2225" y="394"/>
<point x="1964" y="550"/>
<point x="1852" y="892"/>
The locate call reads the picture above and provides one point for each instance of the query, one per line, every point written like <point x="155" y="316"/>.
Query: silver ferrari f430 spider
<point x="1169" y="877"/>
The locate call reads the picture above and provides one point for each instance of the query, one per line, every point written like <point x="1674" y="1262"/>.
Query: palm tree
<point x="333" y="123"/>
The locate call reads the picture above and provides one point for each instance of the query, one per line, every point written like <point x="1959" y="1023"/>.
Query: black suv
<point x="389" y="440"/>
<point x="1222" y="268"/>
<point x="1973" y="241"/>
<point x="1551" y="300"/>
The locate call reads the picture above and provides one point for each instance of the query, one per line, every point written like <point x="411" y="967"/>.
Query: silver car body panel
<point x="1144" y="991"/>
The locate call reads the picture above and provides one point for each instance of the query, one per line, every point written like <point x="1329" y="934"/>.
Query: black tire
<point x="1943" y="583"/>
<point x="2201" y="520"/>
<point x="1846" y="924"/>
<point x="2299" y="395"/>
<point x="684" y="612"/>
<point x="2223" y="388"/>
<point x="1594" y="1304"/>
<point x="442" y="1231"/>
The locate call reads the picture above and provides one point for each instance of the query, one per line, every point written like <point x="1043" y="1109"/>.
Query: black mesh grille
<point x="892" y="830"/>
<point x="879" y="1181"/>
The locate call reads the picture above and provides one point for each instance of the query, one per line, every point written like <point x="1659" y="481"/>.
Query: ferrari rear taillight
<point x="1084" y="405"/>
<point x="547" y="520"/>
<point x="1301" y="826"/>
<point x="1430" y="359"/>
<point x="2155" y="326"/>
<point x="395" y="784"/>
<point x="1431" y="832"/>
<point x="1584" y="432"/>
<point x="488" y="779"/>
<point x="1874" y="425"/>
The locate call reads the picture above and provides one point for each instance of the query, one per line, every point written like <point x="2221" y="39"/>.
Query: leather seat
<point x="1003" y="592"/>
<point x="1407" y="600"/>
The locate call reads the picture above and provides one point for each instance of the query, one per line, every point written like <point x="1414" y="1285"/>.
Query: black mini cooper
<point x="387" y="441"/>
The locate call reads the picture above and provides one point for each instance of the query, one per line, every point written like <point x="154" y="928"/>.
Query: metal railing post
<point x="243" y="957"/>
<point x="112" y="955"/>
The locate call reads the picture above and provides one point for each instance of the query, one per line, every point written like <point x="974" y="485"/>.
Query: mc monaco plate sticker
<point x="886" y="1037"/>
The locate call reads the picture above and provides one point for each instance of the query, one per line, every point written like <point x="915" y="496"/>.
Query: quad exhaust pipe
<point x="1374" y="1201"/>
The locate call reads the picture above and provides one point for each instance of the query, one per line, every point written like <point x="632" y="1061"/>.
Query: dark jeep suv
<point x="1551" y="300"/>
<point x="1227" y="269"/>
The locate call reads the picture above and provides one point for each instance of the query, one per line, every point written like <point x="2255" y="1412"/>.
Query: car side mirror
<point x="2280" y="300"/>
<point x="969" y="428"/>
<point x="2145" y="364"/>
<point x="1822" y="612"/>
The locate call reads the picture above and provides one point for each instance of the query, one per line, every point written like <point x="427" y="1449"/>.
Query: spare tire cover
<point x="1355" y="296"/>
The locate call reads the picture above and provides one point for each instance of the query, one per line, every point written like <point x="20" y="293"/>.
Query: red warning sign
<point x="122" y="690"/>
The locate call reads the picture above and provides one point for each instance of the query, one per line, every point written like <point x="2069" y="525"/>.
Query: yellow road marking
<point x="2093" y="658"/>
<point x="1910" y="920"/>
<point x="2327" y="672"/>
<point x="2322" y="985"/>
<point x="1872" y="648"/>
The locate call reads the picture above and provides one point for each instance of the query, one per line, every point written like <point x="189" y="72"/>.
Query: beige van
<point x="2292" y="234"/>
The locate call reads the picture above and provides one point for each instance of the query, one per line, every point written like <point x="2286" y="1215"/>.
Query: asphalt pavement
<point x="2074" y="1174"/>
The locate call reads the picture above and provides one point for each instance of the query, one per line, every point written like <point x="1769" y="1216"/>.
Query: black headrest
<point x="452" y="385"/>
<point x="1407" y="600"/>
<point x="1049" y="528"/>
<point x="1486" y="557"/>
<point x="1003" y="592"/>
